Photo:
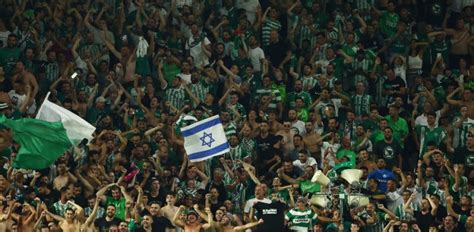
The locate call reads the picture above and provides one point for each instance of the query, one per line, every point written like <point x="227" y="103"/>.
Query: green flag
<point x="309" y="187"/>
<point x="41" y="142"/>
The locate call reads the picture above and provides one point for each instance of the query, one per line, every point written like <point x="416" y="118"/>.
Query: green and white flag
<point x="46" y="138"/>
<point x="77" y="129"/>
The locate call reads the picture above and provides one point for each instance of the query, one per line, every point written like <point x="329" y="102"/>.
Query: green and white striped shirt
<point x="52" y="71"/>
<point x="248" y="145"/>
<point x="268" y="26"/>
<point x="176" y="96"/>
<point x="309" y="82"/>
<point x="403" y="215"/>
<point x="200" y="90"/>
<point x="379" y="222"/>
<point x="361" y="104"/>
<point x="460" y="134"/>
<point x="275" y="93"/>
<point x="230" y="129"/>
<point x="365" y="66"/>
<point x="299" y="220"/>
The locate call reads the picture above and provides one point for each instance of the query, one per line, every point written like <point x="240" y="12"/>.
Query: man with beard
<point x="147" y="224"/>
<point x="298" y="93"/>
<point x="297" y="125"/>
<point x="389" y="150"/>
<point x="103" y="224"/>
<point x="265" y="149"/>
<point x="116" y="199"/>
<point x="382" y="175"/>
<point x="10" y="53"/>
<point x="192" y="222"/>
<point x="175" y="94"/>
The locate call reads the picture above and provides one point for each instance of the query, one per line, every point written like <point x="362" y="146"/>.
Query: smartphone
<point x="74" y="75"/>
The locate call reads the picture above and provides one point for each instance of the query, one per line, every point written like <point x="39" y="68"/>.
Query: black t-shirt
<point x="277" y="52"/>
<point x="265" y="149"/>
<point x="273" y="215"/>
<point x="463" y="156"/>
<point x="104" y="225"/>
<point x="424" y="221"/>
<point x="390" y="152"/>
<point x="161" y="223"/>
<point x="50" y="198"/>
<point x="393" y="85"/>
<point x="160" y="198"/>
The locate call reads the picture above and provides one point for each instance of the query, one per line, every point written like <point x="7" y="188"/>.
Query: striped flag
<point x="205" y="139"/>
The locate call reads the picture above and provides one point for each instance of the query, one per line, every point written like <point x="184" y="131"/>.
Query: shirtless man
<point x="312" y="140"/>
<point x="466" y="99"/>
<point x="27" y="78"/>
<point x="461" y="39"/>
<point x="226" y="225"/>
<point x="169" y="210"/>
<point x="70" y="223"/>
<point x="64" y="177"/>
<point x="287" y="134"/>
<point x="192" y="223"/>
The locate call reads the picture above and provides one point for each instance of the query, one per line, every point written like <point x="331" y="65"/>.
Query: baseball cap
<point x="302" y="199"/>
<point x="192" y="212"/>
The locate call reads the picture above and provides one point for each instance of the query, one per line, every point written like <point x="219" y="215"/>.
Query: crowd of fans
<point x="377" y="85"/>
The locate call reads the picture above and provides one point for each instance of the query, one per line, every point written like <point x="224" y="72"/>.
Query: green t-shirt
<point x="8" y="58"/>
<point x="119" y="207"/>
<point x="426" y="135"/>
<point x="300" y="220"/>
<point x="400" y="126"/>
<point x="170" y="71"/>
<point x="388" y="24"/>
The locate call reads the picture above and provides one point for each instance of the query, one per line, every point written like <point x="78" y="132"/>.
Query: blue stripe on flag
<point x="209" y="152"/>
<point x="196" y="129"/>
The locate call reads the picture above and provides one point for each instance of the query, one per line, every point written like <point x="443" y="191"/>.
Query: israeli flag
<point x="205" y="139"/>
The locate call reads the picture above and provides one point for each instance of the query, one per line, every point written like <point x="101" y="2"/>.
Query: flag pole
<point x="41" y="107"/>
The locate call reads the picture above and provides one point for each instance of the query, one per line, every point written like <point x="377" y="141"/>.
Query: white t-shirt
<point x="299" y="126"/>
<point x="249" y="204"/>
<point x="4" y="37"/>
<point x="17" y="101"/>
<point x="309" y="162"/>
<point x="422" y="120"/>
<point x="250" y="7"/>
<point x="394" y="199"/>
<point x="327" y="146"/>
<point x="336" y="102"/>
<point x="196" y="51"/>
<point x="255" y="55"/>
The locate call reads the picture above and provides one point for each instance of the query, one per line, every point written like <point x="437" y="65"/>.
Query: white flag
<point x="77" y="128"/>
<point x="205" y="139"/>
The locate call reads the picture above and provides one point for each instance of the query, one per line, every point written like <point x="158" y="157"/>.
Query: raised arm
<point x="176" y="219"/>
<point x="248" y="225"/>
<point x="93" y="214"/>
<point x="251" y="171"/>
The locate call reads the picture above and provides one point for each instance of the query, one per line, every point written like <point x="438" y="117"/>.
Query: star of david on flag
<point x="205" y="139"/>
